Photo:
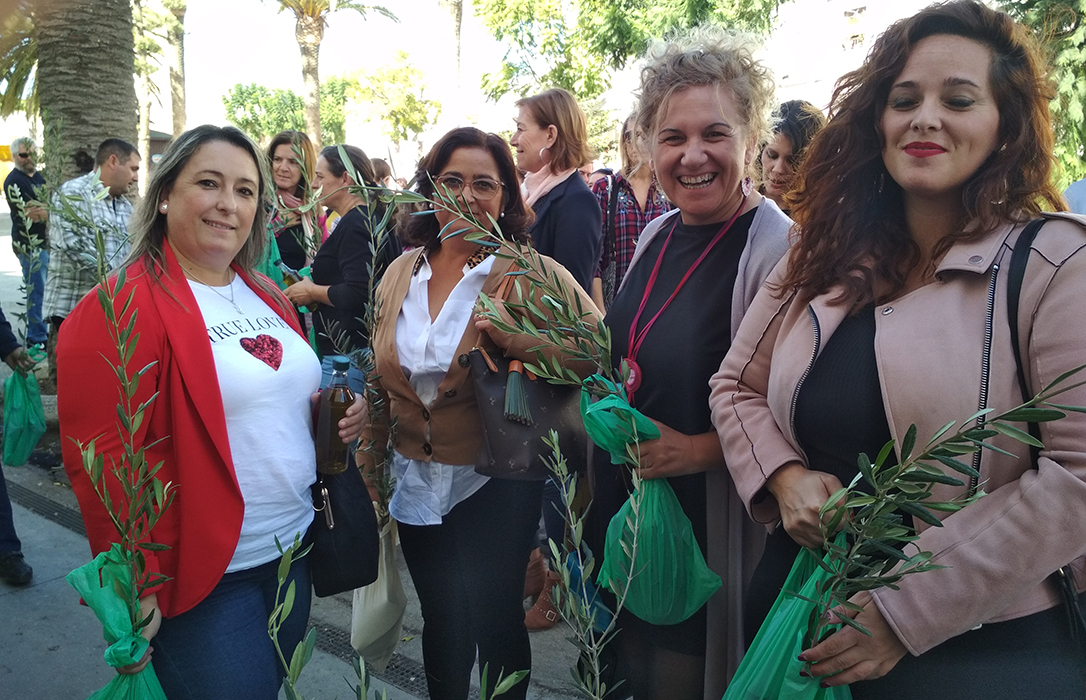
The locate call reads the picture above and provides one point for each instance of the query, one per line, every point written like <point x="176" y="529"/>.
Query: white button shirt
<point x="426" y="491"/>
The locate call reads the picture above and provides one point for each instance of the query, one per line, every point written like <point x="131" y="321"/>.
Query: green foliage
<point x="1061" y="25"/>
<point x="18" y="63"/>
<point x="575" y="44"/>
<point x="872" y="510"/>
<point x="262" y="112"/>
<point x="394" y="94"/>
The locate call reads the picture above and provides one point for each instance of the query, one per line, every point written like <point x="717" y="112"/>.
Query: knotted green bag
<point x="770" y="669"/>
<point x="103" y="584"/>
<point x="668" y="579"/>
<point x="24" y="418"/>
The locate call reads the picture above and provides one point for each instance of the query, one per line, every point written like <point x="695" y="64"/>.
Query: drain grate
<point x="401" y="672"/>
<point x="47" y="508"/>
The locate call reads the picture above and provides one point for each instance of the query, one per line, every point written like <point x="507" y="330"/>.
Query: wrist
<point x="782" y="479"/>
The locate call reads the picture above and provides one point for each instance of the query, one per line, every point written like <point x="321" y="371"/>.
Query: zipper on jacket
<point x="985" y="369"/>
<point x="817" y="330"/>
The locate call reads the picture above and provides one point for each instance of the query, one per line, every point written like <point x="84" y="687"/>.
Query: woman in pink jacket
<point x="891" y="310"/>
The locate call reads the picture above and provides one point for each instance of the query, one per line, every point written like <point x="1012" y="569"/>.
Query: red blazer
<point x="185" y="422"/>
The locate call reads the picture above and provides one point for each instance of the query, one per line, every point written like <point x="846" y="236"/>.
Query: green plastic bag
<point x="24" y="418"/>
<point x="770" y="669"/>
<point x="104" y="584"/>
<point x="670" y="580"/>
<point x="612" y="423"/>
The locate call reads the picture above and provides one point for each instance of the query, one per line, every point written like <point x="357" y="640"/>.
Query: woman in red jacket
<point x="231" y="422"/>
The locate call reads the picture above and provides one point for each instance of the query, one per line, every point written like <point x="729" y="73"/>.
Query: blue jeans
<point x="221" y="649"/>
<point x="37" y="331"/>
<point x="9" y="541"/>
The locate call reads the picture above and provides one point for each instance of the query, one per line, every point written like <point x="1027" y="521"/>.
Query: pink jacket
<point x="929" y="347"/>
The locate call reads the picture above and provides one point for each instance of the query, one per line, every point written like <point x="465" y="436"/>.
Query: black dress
<point x="680" y="353"/>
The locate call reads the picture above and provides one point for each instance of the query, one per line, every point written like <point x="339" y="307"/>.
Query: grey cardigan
<point x="735" y="542"/>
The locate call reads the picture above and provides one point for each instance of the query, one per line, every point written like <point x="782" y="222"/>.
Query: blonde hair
<point x="712" y="56"/>
<point x="559" y="108"/>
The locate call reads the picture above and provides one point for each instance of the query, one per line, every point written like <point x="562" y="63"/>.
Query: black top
<point x="8" y="343"/>
<point x="569" y="228"/>
<point x="291" y="250"/>
<point x="26" y="184"/>
<point x="343" y="263"/>
<point x="839" y="414"/>
<point x="685" y="346"/>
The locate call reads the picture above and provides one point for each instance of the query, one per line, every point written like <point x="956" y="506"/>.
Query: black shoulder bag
<point x="1065" y="578"/>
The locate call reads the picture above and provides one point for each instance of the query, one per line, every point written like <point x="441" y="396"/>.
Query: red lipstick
<point x="923" y="149"/>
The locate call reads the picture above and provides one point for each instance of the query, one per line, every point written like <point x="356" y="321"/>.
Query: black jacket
<point x="569" y="228"/>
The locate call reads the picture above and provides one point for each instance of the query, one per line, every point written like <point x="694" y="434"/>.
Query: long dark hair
<point x="424" y="230"/>
<point x="299" y="142"/>
<point x="851" y="212"/>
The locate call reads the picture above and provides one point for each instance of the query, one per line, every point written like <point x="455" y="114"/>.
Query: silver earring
<point x="162" y="207"/>
<point x="501" y="215"/>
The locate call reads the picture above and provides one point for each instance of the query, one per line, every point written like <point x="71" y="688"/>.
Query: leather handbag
<point x="346" y="551"/>
<point x="513" y="446"/>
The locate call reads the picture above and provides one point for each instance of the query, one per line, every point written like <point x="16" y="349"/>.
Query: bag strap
<point x="1015" y="276"/>
<point x="1065" y="579"/>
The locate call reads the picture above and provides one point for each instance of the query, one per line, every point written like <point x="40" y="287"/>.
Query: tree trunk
<point x="309" y="31"/>
<point x="144" y="144"/>
<point x="85" y="64"/>
<point x="176" y="38"/>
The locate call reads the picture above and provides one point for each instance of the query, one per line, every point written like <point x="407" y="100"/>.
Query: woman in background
<point x="796" y="123"/>
<point x="638" y="200"/>
<point x="340" y="283"/>
<point x="551" y="141"/>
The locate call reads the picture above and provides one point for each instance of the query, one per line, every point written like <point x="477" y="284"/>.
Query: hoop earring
<point x="545" y="158"/>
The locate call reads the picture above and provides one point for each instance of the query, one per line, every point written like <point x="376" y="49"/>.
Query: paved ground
<point x="51" y="647"/>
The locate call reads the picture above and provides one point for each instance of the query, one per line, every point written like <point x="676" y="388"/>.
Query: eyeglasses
<point x="25" y="155"/>
<point x="482" y="189"/>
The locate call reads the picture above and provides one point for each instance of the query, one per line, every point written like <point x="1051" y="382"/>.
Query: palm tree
<point x="455" y="9"/>
<point x="175" y="37"/>
<point x="84" y="77"/>
<point x="311" y="17"/>
<point x="18" y="63"/>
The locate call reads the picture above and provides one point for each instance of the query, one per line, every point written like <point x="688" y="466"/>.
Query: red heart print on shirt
<point x="265" y="348"/>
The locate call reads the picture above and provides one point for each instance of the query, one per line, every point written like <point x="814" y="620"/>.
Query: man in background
<point x="79" y="212"/>
<point x="22" y="188"/>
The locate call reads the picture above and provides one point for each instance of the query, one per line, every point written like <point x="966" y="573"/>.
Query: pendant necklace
<point x="229" y="286"/>
<point x="636" y="339"/>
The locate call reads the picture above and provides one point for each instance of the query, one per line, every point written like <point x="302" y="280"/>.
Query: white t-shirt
<point x="266" y="374"/>
<point x="426" y="491"/>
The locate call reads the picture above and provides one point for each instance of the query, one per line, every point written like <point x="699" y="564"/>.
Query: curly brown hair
<point x="423" y="230"/>
<point x="850" y="211"/>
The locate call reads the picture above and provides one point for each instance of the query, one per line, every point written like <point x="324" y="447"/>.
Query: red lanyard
<point x="637" y="339"/>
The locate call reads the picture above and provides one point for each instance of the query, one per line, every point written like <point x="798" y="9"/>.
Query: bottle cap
<point x="340" y="363"/>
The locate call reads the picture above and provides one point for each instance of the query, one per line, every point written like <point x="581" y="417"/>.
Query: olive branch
<point x="871" y="510"/>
